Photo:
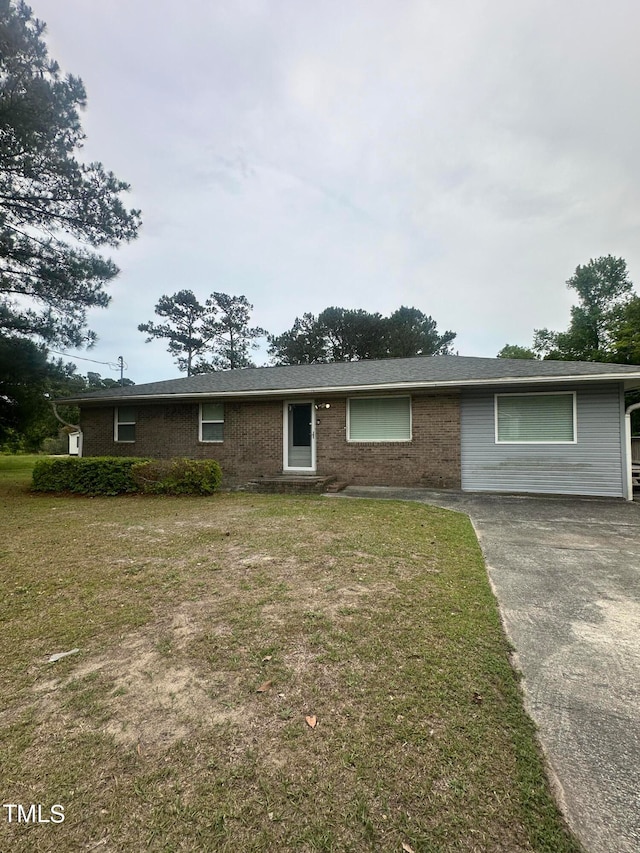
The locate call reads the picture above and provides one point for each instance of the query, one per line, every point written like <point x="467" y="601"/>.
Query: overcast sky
<point x="459" y="156"/>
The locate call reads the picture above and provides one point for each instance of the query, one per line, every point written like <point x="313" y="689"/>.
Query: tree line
<point x="58" y="214"/>
<point x="343" y="334"/>
<point x="604" y="324"/>
<point x="216" y="334"/>
<point x="604" y="327"/>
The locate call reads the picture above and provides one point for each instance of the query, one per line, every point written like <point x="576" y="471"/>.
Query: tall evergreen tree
<point x="55" y="210"/>
<point x="188" y="327"/>
<point x="342" y="334"/>
<point x="203" y="337"/>
<point x="231" y="336"/>
<point x="410" y="333"/>
<point x="352" y="334"/>
<point x="303" y="343"/>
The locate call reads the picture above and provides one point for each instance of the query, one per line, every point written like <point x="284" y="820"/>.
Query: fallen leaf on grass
<point x="312" y="721"/>
<point x="477" y="697"/>
<point x="266" y="658"/>
<point x="139" y="749"/>
<point x="264" y="687"/>
<point x="407" y="849"/>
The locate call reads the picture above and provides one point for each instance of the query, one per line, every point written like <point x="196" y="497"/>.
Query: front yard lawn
<point x="258" y="673"/>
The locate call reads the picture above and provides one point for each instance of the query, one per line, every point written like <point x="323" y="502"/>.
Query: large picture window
<point x="211" y="422"/>
<point x="125" y="424"/>
<point x="379" y="419"/>
<point x="536" y="418"/>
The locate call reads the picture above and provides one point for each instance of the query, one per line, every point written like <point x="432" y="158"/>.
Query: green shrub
<point x="92" y="475"/>
<point x="177" y="476"/>
<point x="55" y="445"/>
<point x="115" y="475"/>
<point x="14" y="442"/>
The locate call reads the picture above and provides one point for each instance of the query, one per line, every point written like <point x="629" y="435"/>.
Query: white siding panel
<point x="592" y="466"/>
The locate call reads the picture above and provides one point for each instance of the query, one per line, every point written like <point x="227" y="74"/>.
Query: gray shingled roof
<point x="426" y="371"/>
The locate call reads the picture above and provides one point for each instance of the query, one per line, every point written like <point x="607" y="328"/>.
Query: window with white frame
<point x="379" y="419"/>
<point x="125" y="424"/>
<point x="211" y="421"/>
<point x="536" y="418"/>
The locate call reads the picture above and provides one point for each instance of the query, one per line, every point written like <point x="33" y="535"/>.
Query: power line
<point x="110" y="364"/>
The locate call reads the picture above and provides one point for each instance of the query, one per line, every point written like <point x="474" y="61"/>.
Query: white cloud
<point x="459" y="156"/>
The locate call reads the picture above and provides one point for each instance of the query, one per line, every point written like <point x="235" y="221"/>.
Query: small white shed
<point x="74" y="443"/>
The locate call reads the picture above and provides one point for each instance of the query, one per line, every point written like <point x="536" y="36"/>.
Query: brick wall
<point x="253" y="441"/>
<point x="431" y="458"/>
<point x="252" y="436"/>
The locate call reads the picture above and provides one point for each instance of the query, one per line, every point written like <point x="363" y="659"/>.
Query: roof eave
<point x="631" y="381"/>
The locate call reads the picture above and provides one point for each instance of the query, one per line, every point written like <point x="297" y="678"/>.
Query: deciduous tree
<point x="624" y="329"/>
<point x="515" y="351"/>
<point x="604" y="289"/>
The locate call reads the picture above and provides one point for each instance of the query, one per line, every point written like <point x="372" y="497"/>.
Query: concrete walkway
<point x="566" y="573"/>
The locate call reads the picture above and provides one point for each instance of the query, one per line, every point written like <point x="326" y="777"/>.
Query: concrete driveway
<point x="566" y="573"/>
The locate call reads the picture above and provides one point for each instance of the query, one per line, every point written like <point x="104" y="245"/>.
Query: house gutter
<point x="349" y="389"/>
<point x="74" y="427"/>
<point x="627" y="432"/>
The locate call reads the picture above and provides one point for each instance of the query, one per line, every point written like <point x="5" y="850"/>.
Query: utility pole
<point x="121" y="363"/>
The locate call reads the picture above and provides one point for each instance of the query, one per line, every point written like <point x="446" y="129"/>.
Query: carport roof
<point x="424" y="372"/>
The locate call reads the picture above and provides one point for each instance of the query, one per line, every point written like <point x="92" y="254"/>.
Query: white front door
<point x="299" y="437"/>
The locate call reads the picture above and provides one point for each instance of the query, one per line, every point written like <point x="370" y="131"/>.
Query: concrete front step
<point x="296" y="483"/>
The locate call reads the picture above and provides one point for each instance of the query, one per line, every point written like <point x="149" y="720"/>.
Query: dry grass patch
<point x="210" y="629"/>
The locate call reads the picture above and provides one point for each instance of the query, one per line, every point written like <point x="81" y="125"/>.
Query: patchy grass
<point x="376" y="618"/>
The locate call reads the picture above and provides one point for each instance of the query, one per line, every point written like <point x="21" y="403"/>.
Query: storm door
<point x="300" y="437"/>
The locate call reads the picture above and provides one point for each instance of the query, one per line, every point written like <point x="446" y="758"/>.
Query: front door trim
<point x="285" y="435"/>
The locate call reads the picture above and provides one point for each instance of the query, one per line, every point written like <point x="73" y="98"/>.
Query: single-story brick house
<point x="477" y="424"/>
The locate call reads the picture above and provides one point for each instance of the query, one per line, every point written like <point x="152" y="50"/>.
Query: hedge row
<point x="177" y="476"/>
<point x="114" y="475"/>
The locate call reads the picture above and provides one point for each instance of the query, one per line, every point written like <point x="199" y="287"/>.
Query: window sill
<point x="534" y="443"/>
<point x="379" y="440"/>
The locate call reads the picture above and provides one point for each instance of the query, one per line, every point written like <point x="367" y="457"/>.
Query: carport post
<point x="627" y="432"/>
